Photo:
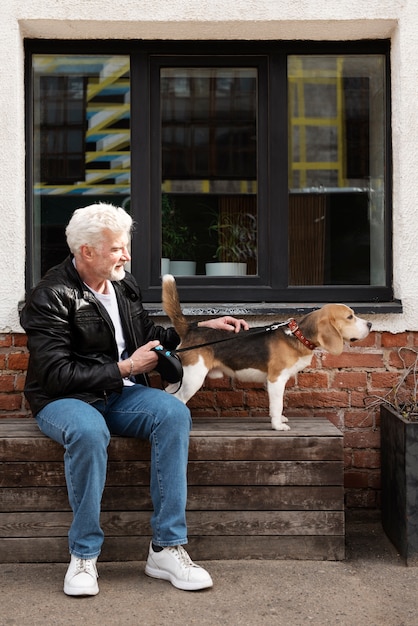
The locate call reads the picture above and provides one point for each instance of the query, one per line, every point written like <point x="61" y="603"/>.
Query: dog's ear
<point x="329" y="337"/>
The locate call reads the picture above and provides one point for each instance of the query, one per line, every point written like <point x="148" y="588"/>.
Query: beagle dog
<point x="272" y="356"/>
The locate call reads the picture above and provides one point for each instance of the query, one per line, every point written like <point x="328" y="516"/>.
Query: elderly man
<point x="91" y="346"/>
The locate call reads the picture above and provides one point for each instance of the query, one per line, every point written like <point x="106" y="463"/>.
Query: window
<point x="265" y="166"/>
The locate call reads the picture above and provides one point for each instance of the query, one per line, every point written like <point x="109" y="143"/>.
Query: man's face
<point x="110" y="257"/>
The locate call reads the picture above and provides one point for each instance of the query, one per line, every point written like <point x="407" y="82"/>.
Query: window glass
<point x="81" y="143"/>
<point x="336" y="117"/>
<point x="209" y="170"/>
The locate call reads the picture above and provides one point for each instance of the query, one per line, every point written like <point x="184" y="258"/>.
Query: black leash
<point x="251" y="331"/>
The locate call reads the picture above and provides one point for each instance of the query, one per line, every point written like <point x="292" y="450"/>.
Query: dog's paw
<point x="284" y="418"/>
<point x="277" y="424"/>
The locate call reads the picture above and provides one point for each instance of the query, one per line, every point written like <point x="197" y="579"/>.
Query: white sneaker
<point x="174" y="564"/>
<point x="81" y="577"/>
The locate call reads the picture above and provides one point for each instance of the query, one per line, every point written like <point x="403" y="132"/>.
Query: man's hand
<point x="226" y="323"/>
<point x="142" y="361"/>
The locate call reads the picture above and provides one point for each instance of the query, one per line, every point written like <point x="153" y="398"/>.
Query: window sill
<point x="271" y="308"/>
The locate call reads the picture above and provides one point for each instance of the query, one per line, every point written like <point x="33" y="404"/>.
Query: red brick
<point x="257" y="399"/>
<point x="6" y="341"/>
<point x="361" y="499"/>
<point x="335" y="417"/>
<point x="390" y="340"/>
<point x="374" y="479"/>
<point x="20" y="340"/>
<point x="350" y="380"/>
<point x="358" y="419"/>
<point x="20" y="380"/>
<point x="313" y="380"/>
<point x="403" y="358"/>
<point x="362" y="439"/>
<point x="369" y="342"/>
<point x="364" y="360"/>
<point x="202" y="399"/>
<point x="291" y="382"/>
<point x="358" y="399"/>
<point x="7" y="382"/>
<point x="224" y="382"/>
<point x="383" y="380"/>
<point x="235" y="413"/>
<point x="317" y="399"/>
<point x="227" y="399"/>
<point x="204" y="413"/>
<point x="366" y="458"/>
<point x="348" y="458"/>
<point x="18" y="361"/>
<point x="10" y="401"/>
<point x="356" y="479"/>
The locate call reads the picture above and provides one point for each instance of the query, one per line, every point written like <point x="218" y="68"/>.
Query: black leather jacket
<point x="71" y="339"/>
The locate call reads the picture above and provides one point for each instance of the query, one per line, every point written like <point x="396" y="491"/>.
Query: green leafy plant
<point x="237" y="237"/>
<point x="177" y="241"/>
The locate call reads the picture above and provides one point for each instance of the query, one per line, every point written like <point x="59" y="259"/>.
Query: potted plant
<point x="237" y="243"/>
<point x="178" y="243"/>
<point x="399" y="459"/>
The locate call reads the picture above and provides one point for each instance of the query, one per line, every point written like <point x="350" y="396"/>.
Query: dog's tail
<point x="171" y="305"/>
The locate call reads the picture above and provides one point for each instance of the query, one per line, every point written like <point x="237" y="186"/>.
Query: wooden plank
<point x="208" y="447"/>
<point x="300" y="426"/>
<point x="265" y="473"/>
<point x="261" y="498"/>
<point x="211" y="498"/>
<point x="51" y="474"/>
<point x="20" y="439"/>
<point x="313" y="548"/>
<point x="55" y="549"/>
<point x="261" y="448"/>
<point x="200" y="523"/>
<point x="199" y="473"/>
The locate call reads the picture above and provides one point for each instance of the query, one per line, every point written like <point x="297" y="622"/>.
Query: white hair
<point x="87" y="225"/>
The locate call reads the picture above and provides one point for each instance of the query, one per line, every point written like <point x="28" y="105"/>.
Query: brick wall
<point x="334" y="387"/>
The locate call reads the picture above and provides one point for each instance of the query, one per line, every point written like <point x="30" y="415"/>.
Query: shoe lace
<point x="85" y="566"/>
<point x="182" y="556"/>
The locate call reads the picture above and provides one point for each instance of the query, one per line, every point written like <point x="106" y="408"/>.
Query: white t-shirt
<point x="110" y="303"/>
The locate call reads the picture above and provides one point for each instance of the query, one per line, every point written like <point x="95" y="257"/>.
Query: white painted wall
<point x="211" y="19"/>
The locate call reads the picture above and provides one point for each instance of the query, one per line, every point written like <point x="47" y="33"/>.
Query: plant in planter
<point x="399" y="458"/>
<point x="237" y="241"/>
<point x="178" y="243"/>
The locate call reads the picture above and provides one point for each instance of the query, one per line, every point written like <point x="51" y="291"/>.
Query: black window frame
<point x="271" y="283"/>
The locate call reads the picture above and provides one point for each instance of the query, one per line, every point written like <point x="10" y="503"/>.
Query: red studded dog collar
<point x="294" y="328"/>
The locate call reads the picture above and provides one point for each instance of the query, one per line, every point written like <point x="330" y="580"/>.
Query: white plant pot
<point x="226" y="269"/>
<point x="165" y="266"/>
<point x="183" y="268"/>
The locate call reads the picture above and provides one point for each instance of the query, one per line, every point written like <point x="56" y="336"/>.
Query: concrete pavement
<point x="372" y="586"/>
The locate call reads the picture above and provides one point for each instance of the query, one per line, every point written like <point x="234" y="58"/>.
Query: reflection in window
<point x="62" y="128"/>
<point x="209" y="169"/>
<point x="336" y="170"/>
<point x="81" y="143"/>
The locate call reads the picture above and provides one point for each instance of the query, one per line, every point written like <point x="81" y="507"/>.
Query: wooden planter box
<point x="399" y="454"/>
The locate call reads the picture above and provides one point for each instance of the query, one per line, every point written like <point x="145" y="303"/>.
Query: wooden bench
<point x="253" y="493"/>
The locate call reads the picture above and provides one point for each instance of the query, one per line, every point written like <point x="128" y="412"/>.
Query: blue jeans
<point x="84" y="430"/>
